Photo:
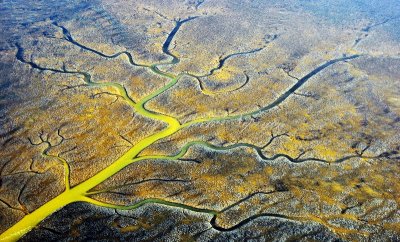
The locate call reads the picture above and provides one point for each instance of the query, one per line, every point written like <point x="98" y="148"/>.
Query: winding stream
<point x="79" y="193"/>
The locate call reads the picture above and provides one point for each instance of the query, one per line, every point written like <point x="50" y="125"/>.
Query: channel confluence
<point x="79" y="192"/>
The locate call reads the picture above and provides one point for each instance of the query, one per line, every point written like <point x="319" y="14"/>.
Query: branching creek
<point x="82" y="191"/>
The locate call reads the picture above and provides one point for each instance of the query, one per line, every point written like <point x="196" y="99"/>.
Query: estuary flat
<point x="200" y="120"/>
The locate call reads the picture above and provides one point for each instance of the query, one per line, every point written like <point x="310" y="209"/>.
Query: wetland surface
<point x="199" y="120"/>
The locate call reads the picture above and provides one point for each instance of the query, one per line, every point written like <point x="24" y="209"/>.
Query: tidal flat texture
<point x="199" y="120"/>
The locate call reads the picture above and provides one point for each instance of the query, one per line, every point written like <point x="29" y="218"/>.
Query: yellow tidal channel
<point x="77" y="193"/>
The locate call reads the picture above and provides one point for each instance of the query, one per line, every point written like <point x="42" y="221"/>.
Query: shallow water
<point x="199" y="120"/>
